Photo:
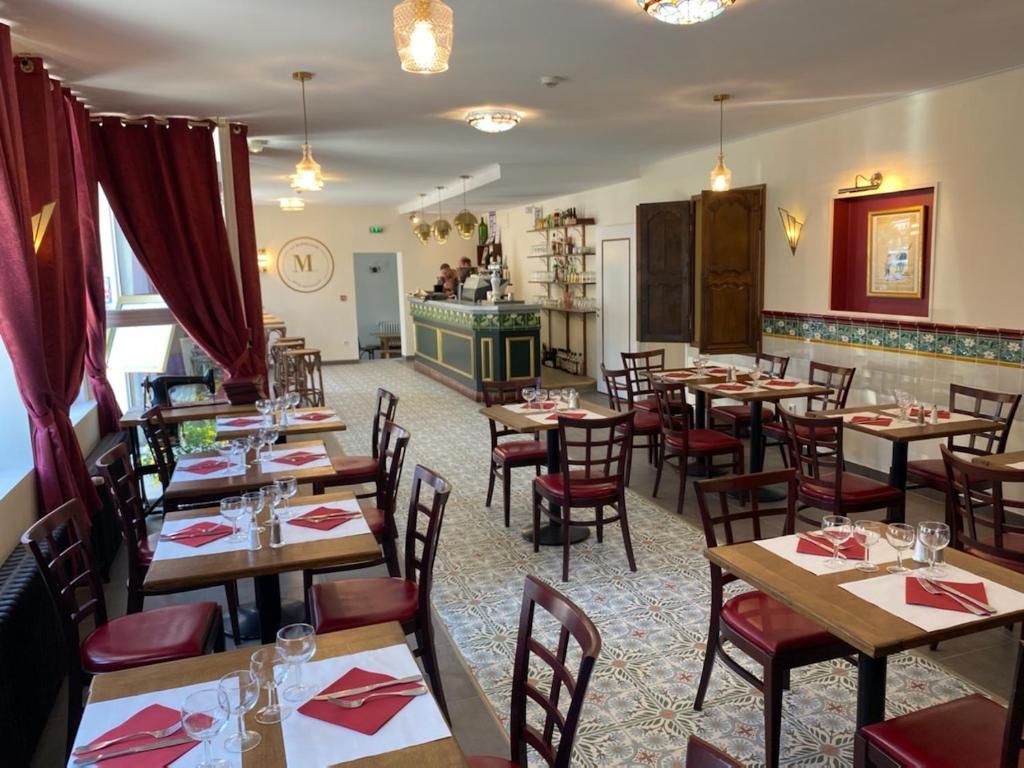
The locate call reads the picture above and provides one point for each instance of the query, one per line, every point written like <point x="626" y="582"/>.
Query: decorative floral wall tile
<point x="1010" y="350"/>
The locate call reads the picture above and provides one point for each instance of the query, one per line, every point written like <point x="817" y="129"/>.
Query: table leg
<point x="268" y="603"/>
<point x="898" y="468"/>
<point x="551" y="531"/>
<point x="756" y="436"/>
<point x="700" y="403"/>
<point x="870" y="690"/>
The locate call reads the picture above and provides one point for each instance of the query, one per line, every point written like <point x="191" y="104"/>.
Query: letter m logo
<point x="302" y="262"/>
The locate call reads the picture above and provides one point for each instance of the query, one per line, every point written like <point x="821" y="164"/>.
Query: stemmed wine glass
<point x="935" y="537"/>
<point x="281" y="408"/>
<point x="287" y="487"/>
<point x="265" y="407"/>
<point x="298" y="643"/>
<point x="232" y="508"/>
<point x="542" y="396"/>
<point x="239" y="692"/>
<point x="868" y="533"/>
<point x="901" y="537"/>
<point x="903" y="401"/>
<point x="838" y="529"/>
<point x="701" y="361"/>
<point x="203" y="716"/>
<point x="226" y="448"/>
<point x="755" y="373"/>
<point x="270" y="667"/>
<point x="240" y="446"/>
<point x="292" y="399"/>
<point x="254" y="502"/>
<point x="529" y="395"/>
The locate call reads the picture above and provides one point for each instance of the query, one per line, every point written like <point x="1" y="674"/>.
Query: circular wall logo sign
<point x="305" y="264"/>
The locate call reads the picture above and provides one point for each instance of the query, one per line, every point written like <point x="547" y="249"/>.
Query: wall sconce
<point x="869" y="184"/>
<point x="264" y="259"/>
<point x="792" y="228"/>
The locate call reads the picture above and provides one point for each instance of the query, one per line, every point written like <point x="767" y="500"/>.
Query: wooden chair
<point x="593" y="476"/>
<point x="362" y="470"/>
<point x="523" y="731"/>
<point x="683" y="442"/>
<point x="701" y="754"/>
<point x="646" y="425"/>
<point x="971" y="731"/>
<point x="970" y="401"/>
<point x="161" y="440"/>
<point x="305" y="375"/>
<point x="60" y="545"/>
<point x="640" y="367"/>
<point x="776" y="637"/>
<point x="510" y="454"/>
<point x="355" y="603"/>
<point x="735" y="419"/>
<point x="115" y="467"/>
<point x="816" y="453"/>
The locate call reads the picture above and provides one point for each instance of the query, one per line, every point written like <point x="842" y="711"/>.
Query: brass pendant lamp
<point x="422" y="228"/>
<point x="465" y="222"/>
<point x="442" y="228"/>
<point x="721" y="176"/>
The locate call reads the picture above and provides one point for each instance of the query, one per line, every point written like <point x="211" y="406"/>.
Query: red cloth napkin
<point x="916" y="595"/>
<point x="205" y="467"/>
<point x="731" y="387"/>
<point x="872" y="421"/>
<point x="242" y="422"/>
<point x="850" y="549"/>
<point x="678" y="376"/>
<point x="547" y="405"/>
<point x="928" y="413"/>
<point x="298" y="458"/>
<point x="781" y="383"/>
<point x="370" y="717"/>
<point x="314" y="416"/>
<point x="215" y="531"/>
<point x="568" y="415"/>
<point x="324" y="525"/>
<point x="718" y="371"/>
<point x="155" y="717"/>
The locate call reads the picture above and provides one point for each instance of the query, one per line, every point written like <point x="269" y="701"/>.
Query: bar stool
<point x="509" y="454"/>
<point x="736" y="418"/>
<point x="277" y="350"/>
<point x="305" y="375"/>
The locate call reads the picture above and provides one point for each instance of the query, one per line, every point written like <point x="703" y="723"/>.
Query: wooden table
<point x="551" y="532"/>
<point x="202" y="411"/>
<point x="874" y="632"/>
<point x="1001" y="460"/>
<point x="270" y="753"/>
<point x="386" y="340"/>
<point x="293" y="427"/>
<point x="264" y="565"/>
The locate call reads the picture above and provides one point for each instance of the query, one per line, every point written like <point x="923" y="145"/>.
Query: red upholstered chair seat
<point x="354" y="469"/>
<point x="360" y="602"/>
<point x="1011" y="541"/>
<point x="700" y="440"/>
<point x="960" y="733"/>
<point x="490" y="762"/>
<point x="521" y="452"/>
<point x="776" y="431"/>
<point x="375" y="520"/>
<point x="163" y="634"/>
<point x="771" y="626"/>
<point x="930" y="472"/>
<point x="646" y="404"/>
<point x="552" y="486"/>
<point x="857" y="489"/>
<point x="146" y="550"/>
<point x="645" y="422"/>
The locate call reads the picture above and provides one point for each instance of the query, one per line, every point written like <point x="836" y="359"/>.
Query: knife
<point x="196" y="535"/>
<point x="367" y="688"/>
<point x="820" y="544"/>
<point x="961" y="595"/>
<point x="163" y="744"/>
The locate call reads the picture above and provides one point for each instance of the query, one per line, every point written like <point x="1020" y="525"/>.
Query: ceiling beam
<point x="453" y="188"/>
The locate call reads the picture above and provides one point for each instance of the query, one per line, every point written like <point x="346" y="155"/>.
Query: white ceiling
<point x="637" y="90"/>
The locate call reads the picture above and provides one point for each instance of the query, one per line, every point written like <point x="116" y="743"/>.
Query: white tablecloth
<point x="297" y="534"/>
<point x="785" y="547"/>
<point x="172" y="550"/>
<point x="234" y="469"/>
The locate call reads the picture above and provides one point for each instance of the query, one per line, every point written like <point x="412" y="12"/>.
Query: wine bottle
<point x="482" y="231"/>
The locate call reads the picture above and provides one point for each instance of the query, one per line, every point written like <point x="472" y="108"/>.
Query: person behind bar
<point x="465" y="269"/>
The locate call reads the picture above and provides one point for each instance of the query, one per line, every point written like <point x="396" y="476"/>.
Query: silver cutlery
<point x="357" y="703"/>
<point x="98" y="758"/>
<point x="95" y="745"/>
<point x="321" y="518"/>
<point x="367" y="688"/>
<point x="196" y="535"/>
<point x="931" y="589"/>
<point x="946" y="588"/>
<point x="821" y="544"/>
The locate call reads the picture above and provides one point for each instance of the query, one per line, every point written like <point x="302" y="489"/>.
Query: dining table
<point x="848" y="603"/>
<point x="1008" y="460"/>
<point x="416" y="736"/>
<point x="302" y="421"/>
<point x="177" y="566"/>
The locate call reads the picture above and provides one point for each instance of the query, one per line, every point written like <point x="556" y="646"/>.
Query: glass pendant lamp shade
<point x="308" y="177"/>
<point x="721" y="176"/>
<point x="465" y="222"/>
<point x="684" y="11"/>
<point x="442" y="228"/>
<point x="423" y="35"/>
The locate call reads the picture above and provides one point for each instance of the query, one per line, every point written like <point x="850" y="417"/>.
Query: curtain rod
<point x="164" y="121"/>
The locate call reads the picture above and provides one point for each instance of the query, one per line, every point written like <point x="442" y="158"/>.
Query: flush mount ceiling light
<point x="721" y="176"/>
<point x="422" y="228"/>
<point x="442" y="228"/>
<point x="423" y="35"/>
<point x="494" y="120"/>
<point x="308" y="176"/>
<point x="292" y="204"/>
<point x="684" y="11"/>
<point x="465" y="222"/>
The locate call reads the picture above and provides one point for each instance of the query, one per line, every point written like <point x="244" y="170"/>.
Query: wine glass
<point x="270" y="667"/>
<point x="239" y="692"/>
<point x="239" y="446"/>
<point x="867" y="533"/>
<point x="701" y="362"/>
<point x="838" y="529"/>
<point x="231" y="509"/>
<point x="542" y="396"/>
<point x="269" y="439"/>
<point x="292" y="399"/>
<point x="203" y="716"/>
<point x="298" y="643"/>
<point x="901" y="537"/>
<point x="254" y="502"/>
<point x="265" y="407"/>
<point x="529" y="395"/>
<point x="755" y="373"/>
<point x="903" y="401"/>
<point x="281" y="408"/>
<point x="935" y="537"/>
<point x="287" y="487"/>
<point x="227" y="450"/>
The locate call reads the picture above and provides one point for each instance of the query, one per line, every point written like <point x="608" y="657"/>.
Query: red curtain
<point x="161" y="181"/>
<point x="41" y="296"/>
<point x="249" y="271"/>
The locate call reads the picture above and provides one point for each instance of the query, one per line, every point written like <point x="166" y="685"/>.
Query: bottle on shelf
<point x="482" y="231"/>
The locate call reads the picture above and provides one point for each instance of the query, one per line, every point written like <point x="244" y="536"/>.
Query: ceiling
<point x="636" y="90"/>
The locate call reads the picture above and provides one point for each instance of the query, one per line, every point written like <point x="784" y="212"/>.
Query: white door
<point x="617" y="286"/>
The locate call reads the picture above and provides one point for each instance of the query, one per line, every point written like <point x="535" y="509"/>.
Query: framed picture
<point x="895" y="252"/>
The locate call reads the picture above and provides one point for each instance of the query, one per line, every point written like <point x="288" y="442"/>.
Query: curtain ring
<point x="26" y="65"/>
<point x="236" y="128"/>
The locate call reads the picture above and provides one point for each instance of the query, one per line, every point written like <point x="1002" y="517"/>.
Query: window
<point x="15" y="448"/>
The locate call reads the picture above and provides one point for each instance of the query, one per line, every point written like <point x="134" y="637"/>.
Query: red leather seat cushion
<point x="375" y="520"/>
<point x="353" y="469"/>
<point x="771" y="626"/>
<point x="163" y="634"/>
<point x="857" y="489"/>
<point x="521" y="452"/>
<point x="739" y="413"/>
<point x="705" y="441"/>
<point x="646" y="422"/>
<point x="1012" y="543"/>
<point x="931" y="472"/>
<point x="646" y="404"/>
<point x="776" y="431"/>
<point x="355" y="603"/>
<point x="489" y="762"/>
<point x="964" y="732"/>
<point x="552" y="486"/>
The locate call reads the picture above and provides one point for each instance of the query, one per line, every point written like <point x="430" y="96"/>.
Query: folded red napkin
<point x="872" y="421"/>
<point x="324" y="525"/>
<point x="242" y="421"/>
<point x="314" y="416"/>
<point x="781" y="383"/>
<point x="205" y="467"/>
<point x="731" y="387"/>
<point x="370" y="717"/>
<point x="718" y="371"/>
<point x="298" y="458"/>
<point x="186" y="536"/>
<point x="568" y="415"/>
<point x="851" y="550"/>
<point x="916" y="595"/>
<point x="927" y="413"/>
<point x="679" y="376"/>
<point x="155" y="717"/>
<point x="547" y="405"/>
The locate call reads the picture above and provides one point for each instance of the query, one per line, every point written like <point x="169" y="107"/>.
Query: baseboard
<point x="340" y="362"/>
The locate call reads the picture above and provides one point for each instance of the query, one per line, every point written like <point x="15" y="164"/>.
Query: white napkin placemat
<point x="297" y="420"/>
<point x="297" y="534"/>
<point x="894" y="424"/>
<point x="1018" y="465"/>
<point x="523" y="408"/>
<point x="224" y="425"/>
<point x="234" y="469"/>
<point x="785" y="547"/>
<point x="173" y="550"/>
<point x="277" y="467"/>
<point x="542" y="418"/>
<point x="782" y="387"/>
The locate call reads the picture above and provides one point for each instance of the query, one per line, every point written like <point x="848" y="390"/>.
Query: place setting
<point x="327" y="520"/>
<point x="841" y="545"/>
<point x="281" y="459"/>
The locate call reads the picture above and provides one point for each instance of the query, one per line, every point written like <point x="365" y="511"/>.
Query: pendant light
<point x="721" y="176"/>
<point x="441" y="229"/>
<point x="684" y="11"/>
<point x="422" y="228"/>
<point x="308" y="176"/>
<point x="465" y="222"/>
<point x="423" y="35"/>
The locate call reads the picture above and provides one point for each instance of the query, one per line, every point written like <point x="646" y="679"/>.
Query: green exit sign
<point x="375" y="230"/>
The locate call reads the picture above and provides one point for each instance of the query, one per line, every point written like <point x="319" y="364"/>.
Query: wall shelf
<point x="580" y="224"/>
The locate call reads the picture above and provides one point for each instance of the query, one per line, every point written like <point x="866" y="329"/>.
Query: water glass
<point x="935" y="537"/>
<point x="903" y="400"/>
<point x="292" y="399"/>
<point x="867" y="533"/>
<point x="269" y="439"/>
<point x="239" y="447"/>
<point x="203" y="717"/>
<point x="529" y="395"/>
<point x="281" y="409"/>
<point x="901" y="537"/>
<point x="542" y="395"/>
<point x="231" y="509"/>
<point x="254" y="502"/>
<point x="838" y="529"/>
<point x="270" y="667"/>
<point x="239" y="692"/>
<point x="298" y="643"/>
<point x="287" y="487"/>
<point x="265" y="408"/>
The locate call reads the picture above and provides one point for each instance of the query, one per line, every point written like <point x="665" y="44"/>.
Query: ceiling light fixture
<point x="292" y="204"/>
<point x="869" y="185"/>
<point x="442" y="228"/>
<point x="792" y="228"/>
<point x="308" y="176"/>
<point x="721" y="176"/>
<point x="422" y="228"/>
<point x="465" y="222"/>
<point x="423" y="35"/>
<point x="684" y="11"/>
<point x="494" y="120"/>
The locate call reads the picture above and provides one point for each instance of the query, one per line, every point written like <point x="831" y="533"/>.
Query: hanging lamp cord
<point x="305" y="119"/>
<point x="721" y="128"/>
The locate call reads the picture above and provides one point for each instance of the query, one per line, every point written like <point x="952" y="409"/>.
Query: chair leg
<point x="657" y="474"/>
<point x="75" y="685"/>
<point x="536" y="521"/>
<point x="136" y="598"/>
<point x="307" y="585"/>
<point x="566" y="525"/>
<point x="785" y="458"/>
<point x="600" y="525"/>
<point x="506" y="493"/>
<point x="490" y="485"/>
<point x="425" y="643"/>
<point x="626" y="540"/>
<point x="772" y="714"/>
<point x="684" y="469"/>
<point x="391" y="556"/>
<point x="709" y="661"/>
<point x="231" y="593"/>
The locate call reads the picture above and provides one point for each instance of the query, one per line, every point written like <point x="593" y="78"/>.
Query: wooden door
<point x="732" y="270"/>
<point x="664" y="235"/>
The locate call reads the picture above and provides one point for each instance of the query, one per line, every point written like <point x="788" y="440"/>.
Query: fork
<point x="356" y="703"/>
<point x="931" y="589"/>
<point x="87" y="748"/>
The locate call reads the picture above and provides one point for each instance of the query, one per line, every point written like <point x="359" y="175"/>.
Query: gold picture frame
<point x="895" y="263"/>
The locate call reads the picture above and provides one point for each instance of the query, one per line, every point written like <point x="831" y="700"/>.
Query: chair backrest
<point x="1013" y="744"/>
<point x="59" y="542"/>
<point x="640" y="366"/>
<point x="594" y="451"/>
<point x="423" y="529"/>
<point x="986" y="505"/>
<point x="115" y="467"/>
<point x="774" y="365"/>
<point x="983" y="404"/>
<point x="674" y="419"/>
<point x="701" y="754"/>
<point x="620" y="392"/>
<point x="837" y="378"/>
<point x="387" y="404"/>
<point x="815" y="450"/>
<point x="737" y="511"/>
<point x="575" y="624"/>
<point x="505" y="393"/>
<point x="394" y="442"/>
<point x="160" y="439"/>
